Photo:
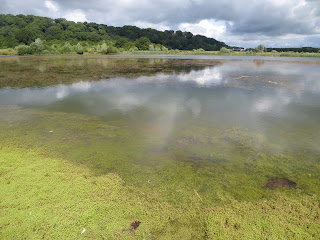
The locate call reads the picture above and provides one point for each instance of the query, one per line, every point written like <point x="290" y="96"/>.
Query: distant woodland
<point x="25" y="29"/>
<point x="29" y="34"/>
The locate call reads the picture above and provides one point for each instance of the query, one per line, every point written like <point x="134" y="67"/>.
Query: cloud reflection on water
<point x="205" y="91"/>
<point x="126" y="93"/>
<point x="236" y="93"/>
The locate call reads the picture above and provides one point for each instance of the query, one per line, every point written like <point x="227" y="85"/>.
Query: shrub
<point x="45" y="52"/>
<point x="133" y="49"/>
<point x="79" y="49"/>
<point x="224" y="50"/>
<point x="23" y="50"/>
<point x="90" y="50"/>
<point x="37" y="46"/>
<point x="97" y="48"/>
<point x="112" y="50"/>
<point x="67" y="48"/>
<point x="199" y="50"/>
<point x="164" y="49"/>
<point x="104" y="48"/>
<point x="151" y="47"/>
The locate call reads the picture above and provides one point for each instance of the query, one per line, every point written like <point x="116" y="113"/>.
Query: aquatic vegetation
<point x="181" y="150"/>
<point x="105" y="205"/>
<point x="275" y="83"/>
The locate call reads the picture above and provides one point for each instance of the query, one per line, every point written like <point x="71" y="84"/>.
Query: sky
<point x="245" y="23"/>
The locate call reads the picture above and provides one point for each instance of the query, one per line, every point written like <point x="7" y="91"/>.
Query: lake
<point x="217" y="129"/>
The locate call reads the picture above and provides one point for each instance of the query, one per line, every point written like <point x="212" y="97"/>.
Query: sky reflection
<point x="239" y="92"/>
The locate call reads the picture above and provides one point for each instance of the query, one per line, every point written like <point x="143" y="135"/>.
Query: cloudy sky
<point x="247" y="23"/>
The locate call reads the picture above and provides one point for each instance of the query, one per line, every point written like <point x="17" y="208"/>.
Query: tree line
<point x="299" y="50"/>
<point x="25" y="29"/>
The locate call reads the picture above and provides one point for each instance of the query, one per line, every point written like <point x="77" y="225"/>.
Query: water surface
<point x="223" y="127"/>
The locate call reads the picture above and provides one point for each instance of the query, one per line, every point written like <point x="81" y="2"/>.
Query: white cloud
<point x="160" y="26"/>
<point x="51" y="6"/>
<point x="206" y="27"/>
<point x="76" y="15"/>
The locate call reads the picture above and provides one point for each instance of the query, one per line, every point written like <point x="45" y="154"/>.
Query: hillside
<point x="18" y="29"/>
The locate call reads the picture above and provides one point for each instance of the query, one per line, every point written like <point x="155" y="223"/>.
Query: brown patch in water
<point x="275" y="183"/>
<point x="133" y="226"/>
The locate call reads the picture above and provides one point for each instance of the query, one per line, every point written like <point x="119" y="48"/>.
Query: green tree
<point x="143" y="43"/>
<point x="121" y="42"/>
<point x="261" y="48"/>
<point x="54" y="32"/>
<point x="25" y="36"/>
<point x="26" y="28"/>
<point x="129" y="45"/>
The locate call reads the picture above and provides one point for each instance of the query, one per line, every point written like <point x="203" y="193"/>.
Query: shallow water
<point x="223" y="128"/>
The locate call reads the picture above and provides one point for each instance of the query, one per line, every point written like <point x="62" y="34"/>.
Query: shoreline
<point x="180" y="56"/>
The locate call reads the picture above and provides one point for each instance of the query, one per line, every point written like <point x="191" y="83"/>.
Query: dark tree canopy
<point x="26" y="28"/>
<point x="302" y="49"/>
<point x="25" y="35"/>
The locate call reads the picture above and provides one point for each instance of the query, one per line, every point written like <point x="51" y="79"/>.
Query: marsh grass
<point x="8" y="52"/>
<point x="48" y="71"/>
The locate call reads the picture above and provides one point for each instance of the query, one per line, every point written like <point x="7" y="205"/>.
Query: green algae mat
<point x="111" y="148"/>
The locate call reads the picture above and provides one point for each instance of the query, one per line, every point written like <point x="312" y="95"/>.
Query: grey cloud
<point x="247" y="16"/>
<point x="272" y="21"/>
